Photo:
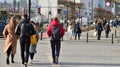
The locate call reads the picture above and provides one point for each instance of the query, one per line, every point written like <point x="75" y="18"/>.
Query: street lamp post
<point x="29" y="8"/>
<point x="14" y="2"/>
<point x="92" y="10"/>
<point x="74" y="11"/>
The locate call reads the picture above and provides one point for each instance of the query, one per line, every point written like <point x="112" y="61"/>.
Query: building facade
<point x="50" y="8"/>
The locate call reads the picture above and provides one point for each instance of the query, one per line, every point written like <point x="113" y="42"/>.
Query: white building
<point x="48" y="6"/>
<point x="51" y="6"/>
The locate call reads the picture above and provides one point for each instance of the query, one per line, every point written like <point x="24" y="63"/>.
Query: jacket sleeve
<point x="32" y="29"/>
<point x="62" y="31"/>
<point x="5" y="32"/>
<point x="49" y="31"/>
<point x="18" y="30"/>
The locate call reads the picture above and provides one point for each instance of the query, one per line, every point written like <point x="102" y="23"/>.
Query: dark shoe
<point x="53" y="61"/>
<point x="7" y="61"/>
<point x="12" y="57"/>
<point x="12" y="61"/>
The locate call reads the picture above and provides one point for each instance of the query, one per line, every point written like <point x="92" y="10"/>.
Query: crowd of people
<point x="23" y="31"/>
<point x="55" y="31"/>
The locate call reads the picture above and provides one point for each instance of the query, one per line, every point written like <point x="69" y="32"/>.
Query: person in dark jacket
<point x="55" y="44"/>
<point x="78" y="30"/>
<point x="107" y="29"/>
<point x="24" y="30"/>
<point x="99" y="28"/>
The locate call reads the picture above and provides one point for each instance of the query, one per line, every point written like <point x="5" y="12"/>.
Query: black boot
<point x="7" y="61"/>
<point x="12" y="58"/>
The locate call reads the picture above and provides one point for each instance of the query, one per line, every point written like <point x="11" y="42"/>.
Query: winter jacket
<point x="55" y="23"/>
<point x="11" y="39"/>
<point x="25" y="31"/>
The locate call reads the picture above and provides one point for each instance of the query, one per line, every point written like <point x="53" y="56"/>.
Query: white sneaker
<point x="25" y="65"/>
<point x="31" y="61"/>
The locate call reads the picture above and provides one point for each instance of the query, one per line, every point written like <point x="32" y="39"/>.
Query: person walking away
<point x="78" y="31"/>
<point x="107" y="29"/>
<point x="33" y="47"/>
<point x="99" y="28"/>
<point x="11" y="39"/>
<point x="24" y="30"/>
<point x="55" y="31"/>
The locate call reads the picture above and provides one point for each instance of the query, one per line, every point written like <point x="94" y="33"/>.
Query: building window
<point x="85" y="13"/>
<point x="59" y="11"/>
<point x="90" y="14"/>
<point x="89" y="4"/>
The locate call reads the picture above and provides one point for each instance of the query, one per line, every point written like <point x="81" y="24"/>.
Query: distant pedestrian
<point x="74" y="29"/>
<point x="70" y="29"/>
<point x="33" y="47"/>
<point x="99" y="28"/>
<point x="24" y="30"/>
<point x="55" y="31"/>
<point x="107" y="29"/>
<point x="11" y="39"/>
<point x="78" y="30"/>
<point x="104" y="22"/>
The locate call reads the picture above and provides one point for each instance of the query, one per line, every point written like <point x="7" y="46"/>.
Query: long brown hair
<point x="12" y="23"/>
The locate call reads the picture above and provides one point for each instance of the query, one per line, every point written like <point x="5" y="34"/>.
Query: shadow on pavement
<point x="75" y="64"/>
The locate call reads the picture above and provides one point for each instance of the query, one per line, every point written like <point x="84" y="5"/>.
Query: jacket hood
<point x="55" y="23"/>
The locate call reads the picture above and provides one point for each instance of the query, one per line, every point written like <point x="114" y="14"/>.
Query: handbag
<point x="95" y="33"/>
<point x="33" y="39"/>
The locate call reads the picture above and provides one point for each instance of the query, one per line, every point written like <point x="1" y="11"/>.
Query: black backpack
<point x="56" y="35"/>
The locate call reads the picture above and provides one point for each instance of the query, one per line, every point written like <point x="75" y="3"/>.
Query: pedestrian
<point x="11" y="39"/>
<point x="24" y="30"/>
<point x="55" y="31"/>
<point x="70" y="29"/>
<point x="104" y="22"/>
<point x="107" y="29"/>
<point x="99" y="28"/>
<point x="33" y="47"/>
<point x="74" y="29"/>
<point x="78" y="30"/>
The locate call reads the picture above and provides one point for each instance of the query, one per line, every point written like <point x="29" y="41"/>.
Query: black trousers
<point x="99" y="34"/>
<point x="55" y="46"/>
<point x="24" y="45"/>
<point x="107" y="34"/>
<point x="32" y="56"/>
<point x="77" y="34"/>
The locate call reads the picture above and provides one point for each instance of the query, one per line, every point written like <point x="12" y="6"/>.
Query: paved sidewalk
<point x="74" y="53"/>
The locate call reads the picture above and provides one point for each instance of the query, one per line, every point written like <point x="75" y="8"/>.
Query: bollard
<point x="112" y="39"/>
<point x="87" y="38"/>
<point x="41" y="35"/>
<point x="115" y="33"/>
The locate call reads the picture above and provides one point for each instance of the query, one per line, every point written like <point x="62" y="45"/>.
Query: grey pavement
<point x="92" y="38"/>
<point x="74" y="53"/>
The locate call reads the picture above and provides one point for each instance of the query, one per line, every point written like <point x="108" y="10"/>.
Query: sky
<point x="6" y="0"/>
<point x="12" y="0"/>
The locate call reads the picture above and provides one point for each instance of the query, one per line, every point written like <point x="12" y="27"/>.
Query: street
<point x="74" y="53"/>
